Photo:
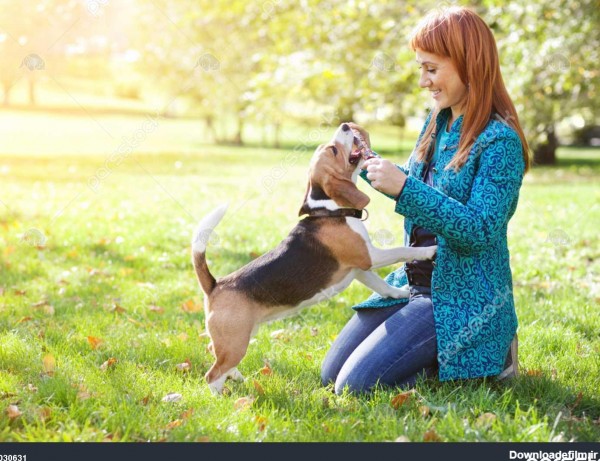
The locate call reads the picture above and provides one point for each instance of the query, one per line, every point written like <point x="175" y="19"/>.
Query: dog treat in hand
<point x="361" y="146"/>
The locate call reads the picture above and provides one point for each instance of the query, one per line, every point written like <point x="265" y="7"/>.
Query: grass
<point x="111" y="263"/>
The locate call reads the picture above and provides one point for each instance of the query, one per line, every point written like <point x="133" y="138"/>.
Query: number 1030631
<point x="13" y="457"/>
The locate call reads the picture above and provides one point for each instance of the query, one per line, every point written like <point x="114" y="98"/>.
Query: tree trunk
<point x="7" y="87"/>
<point x="545" y="153"/>
<point x="32" y="90"/>
<point x="238" y="137"/>
<point x="277" y="135"/>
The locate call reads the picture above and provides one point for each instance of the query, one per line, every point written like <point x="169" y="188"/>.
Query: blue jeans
<point x="390" y="346"/>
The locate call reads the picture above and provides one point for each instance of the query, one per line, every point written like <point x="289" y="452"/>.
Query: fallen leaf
<point x="536" y="373"/>
<point x="45" y="413"/>
<point x="185" y="366"/>
<point x="261" y="421"/>
<point x="24" y="319"/>
<point x="174" y="424"/>
<point x="41" y="303"/>
<point x="118" y="309"/>
<point x="266" y="370"/>
<point x="157" y="309"/>
<point x="146" y="400"/>
<point x="203" y="438"/>
<point x="172" y="397"/>
<point x="424" y="410"/>
<point x="402" y="438"/>
<point x="83" y="395"/>
<point x="13" y="412"/>
<point x="258" y="387"/>
<point x="32" y="388"/>
<point x="94" y="342"/>
<point x="187" y="414"/>
<point x="402" y="399"/>
<point x="431" y="436"/>
<point x="108" y="364"/>
<point x="191" y="307"/>
<point x="49" y="309"/>
<point x="183" y="337"/>
<point x="314" y="331"/>
<point x="485" y="419"/>
<point x="135" y="322"/>
<point x="577" y="401"/>
<point x="278" y="334"/>
<point x="20" y="292"/>
<point x="243" y="403"/>
<point x="49" y="364"/>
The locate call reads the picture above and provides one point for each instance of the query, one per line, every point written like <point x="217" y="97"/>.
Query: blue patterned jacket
<point x="468" y="211"/>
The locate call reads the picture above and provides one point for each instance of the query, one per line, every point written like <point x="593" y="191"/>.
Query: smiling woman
<point x="458" y="191"/>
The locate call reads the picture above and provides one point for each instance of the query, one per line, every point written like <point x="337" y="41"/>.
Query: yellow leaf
<point x="424" y="411"/>
<point x="49" y="364"/>
<point x="258" y="387"/>
<point x="94" y="342"/>
<point x="261" y="421"/>
<point x="174" y="424"/>
<point x="191" y="307"/>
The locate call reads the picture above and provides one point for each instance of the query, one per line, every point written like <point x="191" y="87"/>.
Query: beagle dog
<point x="319" y="258"/>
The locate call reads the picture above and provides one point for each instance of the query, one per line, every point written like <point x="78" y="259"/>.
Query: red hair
<point x="461" y="35"/>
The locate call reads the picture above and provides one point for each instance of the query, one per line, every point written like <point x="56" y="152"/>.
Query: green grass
<point x="111" y="253"/>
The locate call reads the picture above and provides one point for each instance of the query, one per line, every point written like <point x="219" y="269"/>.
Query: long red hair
<point x="461" y="35"/>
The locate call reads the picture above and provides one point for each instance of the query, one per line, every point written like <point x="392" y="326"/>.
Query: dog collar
<point x="340" y="212"/>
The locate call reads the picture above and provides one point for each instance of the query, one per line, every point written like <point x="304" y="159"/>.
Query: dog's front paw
<point x="429" y="252"/>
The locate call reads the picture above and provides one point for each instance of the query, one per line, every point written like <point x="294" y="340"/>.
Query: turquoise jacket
<point x="468" y="211"/>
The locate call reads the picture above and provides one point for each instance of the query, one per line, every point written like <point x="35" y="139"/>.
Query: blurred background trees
<point x="237" y="64"/>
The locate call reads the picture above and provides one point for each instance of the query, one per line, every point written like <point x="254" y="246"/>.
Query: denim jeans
<point x="389" y="346"/>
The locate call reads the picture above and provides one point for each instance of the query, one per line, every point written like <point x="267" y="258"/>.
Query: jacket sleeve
<point x="469" y="227"/>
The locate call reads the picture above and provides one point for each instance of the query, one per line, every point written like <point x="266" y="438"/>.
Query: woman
<point x="458" y="191"/>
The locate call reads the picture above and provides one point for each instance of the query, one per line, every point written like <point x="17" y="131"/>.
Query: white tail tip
<point x="205" y="228"/>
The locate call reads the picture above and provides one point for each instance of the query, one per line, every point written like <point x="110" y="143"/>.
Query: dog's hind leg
<point x="230" y="339"/>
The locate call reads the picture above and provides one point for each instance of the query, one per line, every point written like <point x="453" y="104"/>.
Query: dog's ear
<point x="345" y="193"/>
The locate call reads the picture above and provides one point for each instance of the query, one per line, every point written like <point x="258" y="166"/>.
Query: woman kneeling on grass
<point x="458" y="191"/>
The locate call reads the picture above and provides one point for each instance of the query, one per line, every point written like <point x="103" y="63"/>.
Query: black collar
<point x="340" y="212"/>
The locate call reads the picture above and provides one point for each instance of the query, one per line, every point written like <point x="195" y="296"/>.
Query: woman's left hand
<point x="384" y="176"/>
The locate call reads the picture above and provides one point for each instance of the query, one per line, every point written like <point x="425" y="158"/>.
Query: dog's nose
<point x="345" y="127"/>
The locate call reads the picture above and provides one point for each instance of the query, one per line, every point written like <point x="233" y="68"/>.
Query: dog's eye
<point x="334" y="149"/>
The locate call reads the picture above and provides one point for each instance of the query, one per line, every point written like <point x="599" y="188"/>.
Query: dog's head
<point x="334" y="169"/>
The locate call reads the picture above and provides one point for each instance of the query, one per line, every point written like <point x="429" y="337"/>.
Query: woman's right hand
<point x="363" y="133"/>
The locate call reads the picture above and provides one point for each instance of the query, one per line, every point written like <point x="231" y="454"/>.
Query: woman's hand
<point x="385" y="176"/>
<point x="363" y="133"/>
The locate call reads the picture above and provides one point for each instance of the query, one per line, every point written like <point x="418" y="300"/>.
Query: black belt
<point x="417" y="278"/>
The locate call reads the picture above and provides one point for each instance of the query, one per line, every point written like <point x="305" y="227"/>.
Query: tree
<point x="550" y="53"/>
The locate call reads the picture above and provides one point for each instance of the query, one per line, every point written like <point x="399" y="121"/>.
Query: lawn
<point x="101" y="316"/>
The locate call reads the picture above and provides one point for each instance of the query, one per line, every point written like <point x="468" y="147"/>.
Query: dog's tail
<point x="199" y="243"/>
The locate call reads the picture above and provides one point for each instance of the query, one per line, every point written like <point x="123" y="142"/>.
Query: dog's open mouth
<point x="355" y="157"/>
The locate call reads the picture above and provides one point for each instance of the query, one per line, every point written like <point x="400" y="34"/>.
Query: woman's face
<point x="439" y="76"/>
